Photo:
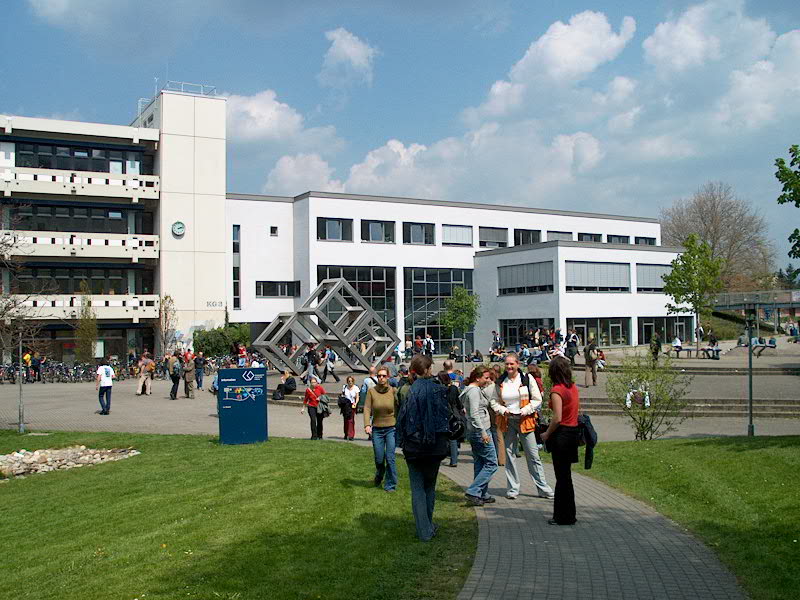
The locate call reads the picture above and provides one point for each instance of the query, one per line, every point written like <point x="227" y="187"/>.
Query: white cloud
<point x="348" y="61"/>
<point x="714" y="31"/>
<point x="294" y="175"/>
<point x="624" y="121"/>
<point x="660" y="147"/>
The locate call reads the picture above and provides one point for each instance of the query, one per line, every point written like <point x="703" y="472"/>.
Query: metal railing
<point x="759" y="297"/>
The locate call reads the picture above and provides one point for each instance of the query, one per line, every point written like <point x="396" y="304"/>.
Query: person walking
<point x="380" y="418"/>
<point x="175" y="368"/>
<point x="146" y="369"/>
<point x="103" y="383"/>
<point x="518" y="399"/>
<point x="590" y="355"/>
<point x="456" y="408"/>
<point x="479" y="423"/>
<point x="311" y="400"/>
<point x="350" y="394"/>
<point x="330" y="365"/>
<point x="572" y="346"/>
<point x="655" y="347"/>
<point x="430" y="346"/>
<point x="189" y="378"/>
<point x="422" y="433"/>
<point x="312" y="359"/>
<point x="199" y="369"/>
<point x="561" y="439"/>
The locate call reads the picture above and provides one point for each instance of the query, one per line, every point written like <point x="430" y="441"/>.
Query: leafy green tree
<point x="86" y="331"/>
<point x="460" y="312"/>
<point x="218" y="342"/>
<point x="696" y="276"/>
<point x="789" y="176"/>
<point x="652" y="397"/>
<point x="788" y="278"/>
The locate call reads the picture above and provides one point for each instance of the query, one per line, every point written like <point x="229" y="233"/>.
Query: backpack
<point x="151" y="366"/>
<point x="362" y="394"/>
<point x="304" y="360"/>
<point x="593" y="354"/>
<point x="332" y="356"/>
<point x="178" y="368"/>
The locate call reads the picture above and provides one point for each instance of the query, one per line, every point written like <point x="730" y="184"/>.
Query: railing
<point x="753" y="298"/>
<point x="49" y="181"/>
<point x="95" y="245"/>
<point x="108" y="306"/>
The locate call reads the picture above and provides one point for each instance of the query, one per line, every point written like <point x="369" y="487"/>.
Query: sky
<point x="618" y="107"/>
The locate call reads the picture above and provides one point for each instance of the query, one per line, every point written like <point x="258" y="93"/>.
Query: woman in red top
<point x="311" y="400"/>
<point x="561" y="438"/>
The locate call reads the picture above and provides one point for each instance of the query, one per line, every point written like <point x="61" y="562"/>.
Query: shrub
<point x="218" y="342"/>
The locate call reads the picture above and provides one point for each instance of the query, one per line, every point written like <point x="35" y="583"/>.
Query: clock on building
<point x="178" y="228"/>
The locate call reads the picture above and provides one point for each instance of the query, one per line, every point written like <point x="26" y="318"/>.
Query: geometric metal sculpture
<point x="336" y="315"/>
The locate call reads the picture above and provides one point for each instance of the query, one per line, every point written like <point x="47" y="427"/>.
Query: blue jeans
<point x="422" y="473"/>
<point x="485" y="464"/>
<point x="383" y="444"/>
<point x="104" y="396"/>
<point x="453" y="452"/>
<point x="198" y="377"/>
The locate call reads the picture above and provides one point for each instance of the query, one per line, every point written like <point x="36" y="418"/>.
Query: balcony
<point x="131" y="246"/>
<point x="110" y="306"/>
<point x="78" y="183"/>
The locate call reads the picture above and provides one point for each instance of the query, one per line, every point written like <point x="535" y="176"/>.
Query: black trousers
<point x="564" y="448"/>
<point x="330" y="372"/>
<point x="316" y="422"/>
<point x="176" y="379"/>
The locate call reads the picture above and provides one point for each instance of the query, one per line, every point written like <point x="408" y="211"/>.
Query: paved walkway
<point x="619" y="549"/>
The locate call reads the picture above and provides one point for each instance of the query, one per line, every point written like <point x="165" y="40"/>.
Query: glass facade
<point x="425" y="291"/>
<point x="606" y="332"/>
<point x="375" y="284"/>
<point x="667" y="328"/>
<point x="80" y="219"/>
<point x="512" y="331"/>
<point x="67" y="280"/>
<point x="66" y="157"/>
<point x="60" y="345"/>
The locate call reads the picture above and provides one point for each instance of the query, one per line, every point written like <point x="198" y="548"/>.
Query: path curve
<point x="620" y="548"/>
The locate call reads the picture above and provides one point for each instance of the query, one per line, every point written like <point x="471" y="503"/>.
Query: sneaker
<point x="547" y="496"/>
<point x="511" y="496"/>
<point x="473" y="500"/>
<point x="489" y="500"/>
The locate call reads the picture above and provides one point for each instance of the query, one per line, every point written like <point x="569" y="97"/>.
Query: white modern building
<point x="140" y="213"/>
<point x="133" y="211"/>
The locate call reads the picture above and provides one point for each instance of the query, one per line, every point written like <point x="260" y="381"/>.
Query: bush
<point x="218" y="342"/>
<point x="652" y="396"/>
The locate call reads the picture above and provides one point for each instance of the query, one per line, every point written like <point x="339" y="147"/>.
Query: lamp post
<point x="751" y="431"/>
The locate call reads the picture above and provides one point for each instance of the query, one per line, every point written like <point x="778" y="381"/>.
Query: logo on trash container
<point x="248" y="376"/>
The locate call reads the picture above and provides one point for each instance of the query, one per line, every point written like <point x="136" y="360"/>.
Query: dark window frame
<point x="491" y="243"/>
<point x="277" y="289"/>
<point x="614" y="239"/>
<point x="388" y="228"/>
<point x="520" y="234"/>
<point x="322" y="229"/>
<point x="593" y="237"/>
<point x="638" y="241"/>
<point x="428" y="233"/>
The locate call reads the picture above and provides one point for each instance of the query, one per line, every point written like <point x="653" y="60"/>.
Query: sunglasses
<point x="382" y="375"/>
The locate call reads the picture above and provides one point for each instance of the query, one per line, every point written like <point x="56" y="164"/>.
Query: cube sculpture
<point x="317" y="321"/>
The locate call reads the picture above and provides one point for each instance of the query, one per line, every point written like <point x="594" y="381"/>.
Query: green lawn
<point x="740" y="495"/>
<point x="189" y="518"/>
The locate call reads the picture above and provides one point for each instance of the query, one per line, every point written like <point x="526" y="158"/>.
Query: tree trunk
<point x="697" y="333"/>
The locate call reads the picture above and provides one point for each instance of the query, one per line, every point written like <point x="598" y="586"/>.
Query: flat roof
<point x="574" y="244"/>
<point x="10" y="124"/>
<point x="446" y="203"/>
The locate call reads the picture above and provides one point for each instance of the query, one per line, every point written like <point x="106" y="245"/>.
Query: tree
<point x="788" y="278"/>
<point x="460" y="312"/>
<point x="789" y="176"/>
<point x="733" y="229"/>
<point x="86" y="331"/>
<point x="167" y="324"/>
<point x="652" y="397"/>
<point x="218" y="342"/>
<point x="694" y="279"/>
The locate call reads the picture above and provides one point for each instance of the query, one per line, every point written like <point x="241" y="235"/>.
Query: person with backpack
<point x="348" y="404"/>
<point x="423" y="433"/>
<point x="380" y="418"/>
<point x="310" y="362"/>
<point x="518" y="399"/>
<point x="175" y="370"/>
<point x="590" y="355"/>
<point x="430" y="345"/>
<point x="147" y="368"/>
<point x="103" y="383"/>
<point x="479" y="425"/>
<point x="572" y="346"/>
<point x="456" y="410"/>
<point x="330" y="363"/>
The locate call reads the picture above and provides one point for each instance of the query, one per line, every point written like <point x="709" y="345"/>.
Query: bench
<point x="678" y="352"/>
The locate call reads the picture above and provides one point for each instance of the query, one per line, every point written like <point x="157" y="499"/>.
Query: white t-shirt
<point x="511" y="396"/>
<point x="255" y="365"/>
<point x="106" y="375"/>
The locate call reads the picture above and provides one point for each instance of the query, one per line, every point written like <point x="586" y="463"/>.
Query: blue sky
<point x="612" y="107"/>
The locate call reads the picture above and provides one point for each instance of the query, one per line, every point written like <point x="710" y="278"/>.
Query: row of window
<point x="77" y="158"/>
<point x="79" y="219"/>
<point x="341" y="230"/>
<point x="277" y="289"/>
<point x="49" y="280"/>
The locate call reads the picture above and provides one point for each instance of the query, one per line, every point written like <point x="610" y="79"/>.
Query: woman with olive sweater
<point x="380" y="413"/>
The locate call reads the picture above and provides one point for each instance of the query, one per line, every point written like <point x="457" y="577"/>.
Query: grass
<point x="740" y="495"/>
<point x="189" y="518"/>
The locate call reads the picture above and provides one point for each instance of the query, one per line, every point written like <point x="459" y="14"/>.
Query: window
<point x="559" y="235"/>
<point x="492" y="237"/>
<point x="590" y="237"/>
<point x="598" y="277"/>
<point x="375" y="284"/>
<point x="530" y="278"/>
<point x="649" y="278"/>
<point x="645" y="241"/>
<point x="377" y="231"/>
<point x="237" y="230"/>
<point x="277" y="289"/>
<point x="237" y="299"/>
<point x="71" y="158"/>
<point x="273" y="231"/>
<point x="618" y="239"/>
<point x="456" y="235"/>
<point x="527" y="236"/>
<point x="340" y="230"/>
<point x="68" y="280"/>
<point x="418" y="233"/>
<point x="67" y="218"/>
<point x="425" y="293"/>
